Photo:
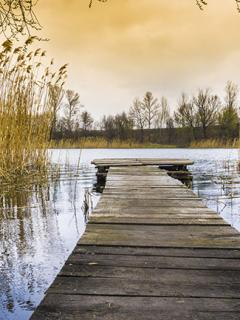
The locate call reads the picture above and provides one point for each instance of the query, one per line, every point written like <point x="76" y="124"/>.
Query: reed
<point x="216" y="143"/>
<point x="102" y="143"/>
<point x="26" y="111"/>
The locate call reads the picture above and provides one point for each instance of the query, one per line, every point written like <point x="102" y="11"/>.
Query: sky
<point x="119" y="50"/>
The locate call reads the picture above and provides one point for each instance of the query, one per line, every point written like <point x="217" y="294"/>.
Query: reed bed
<point x="26" y="109"/>
<point x="102" y="143"/>
<point x="98" y="142"/>
<point x="216" y="143"/>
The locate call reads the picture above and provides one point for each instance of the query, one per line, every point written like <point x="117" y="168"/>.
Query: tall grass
<point x="216" y="143"/>
<point x="98" y="142"/>
<point x="25" y="109"/>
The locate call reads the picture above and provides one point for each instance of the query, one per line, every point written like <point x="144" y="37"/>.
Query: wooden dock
<point x="151" y="250"/>
<point x="177" y="164"/>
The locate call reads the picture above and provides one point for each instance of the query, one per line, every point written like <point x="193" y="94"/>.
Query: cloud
<point x="121" y="49"/>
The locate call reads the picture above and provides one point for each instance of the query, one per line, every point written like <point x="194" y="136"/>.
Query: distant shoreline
<point x="97" y="143"/>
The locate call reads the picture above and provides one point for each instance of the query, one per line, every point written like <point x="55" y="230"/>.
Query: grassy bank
<point x="216" y="143"/>
<point x="101" y="143"/>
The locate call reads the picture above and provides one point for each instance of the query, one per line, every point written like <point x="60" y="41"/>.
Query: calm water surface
<point x="40" y="225"/>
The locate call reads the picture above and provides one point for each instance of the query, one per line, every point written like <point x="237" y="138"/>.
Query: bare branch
<point x="91" y="2"/>
<point x="201" y="4"/>
<point x="18" y="17"/>
<point x="238" y="5"/>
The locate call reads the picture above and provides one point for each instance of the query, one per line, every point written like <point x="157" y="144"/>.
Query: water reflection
<point x="40" y="224"/>
<point x="218" y="183"/>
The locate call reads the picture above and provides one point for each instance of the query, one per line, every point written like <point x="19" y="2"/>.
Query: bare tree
<point x="123" y="126"/>
<point x="185" y="116"/>
<point x="207" y="108"/>
<point x="231" y="96"/>
<point x="228" y="117"/>
<point x="163" y="113"/>
<point x="86" y="121"/>
<point x="72" y="109"/>
<point x="137" y="114"/>
<point x="170" y="128"/>
<point x="151" y="108"/>
<point x="109" y="127"/>
<point x="56" y="94"/>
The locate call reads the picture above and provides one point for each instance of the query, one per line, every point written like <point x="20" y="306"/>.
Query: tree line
<point x="150" y="119"/>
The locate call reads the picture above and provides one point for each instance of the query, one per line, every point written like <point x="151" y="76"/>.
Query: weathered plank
<point x="75" y="307"/>
<point x="149" y="193"/>
<point x="155" y="210"/>
<point x="125" y="203"/>
<point x="78" y="260"/>
<point x="160" y="252"/>
<point x="177" y="283"/>
<point x="156" y="221"/>
<point x="120" y="162"/>
<point x="165" y="181"/>
<point x="162" y="236"/>
<point x="143" y="193"/>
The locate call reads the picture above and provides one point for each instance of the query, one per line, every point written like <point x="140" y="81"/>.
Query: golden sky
<point x="120" y="50"/>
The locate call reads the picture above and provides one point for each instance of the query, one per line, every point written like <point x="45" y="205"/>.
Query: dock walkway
<point x="151" y="250"/>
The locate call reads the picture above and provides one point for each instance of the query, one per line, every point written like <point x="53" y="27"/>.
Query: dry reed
<point x="25" y="109"/>
<point x="216" y="143"/>
<point x="102" y="143"/>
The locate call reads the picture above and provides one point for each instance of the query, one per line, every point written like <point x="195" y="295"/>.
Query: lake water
<point x="40" y="225"/>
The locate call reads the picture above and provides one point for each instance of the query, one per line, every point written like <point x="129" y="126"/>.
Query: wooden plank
<point x="162" y="181"/>
<point x="154" y="215"/>
<point x="163" y="213"/>
<point x="148" y="190"/>
<point x="160" y="196"/>
<point x="75" y="307"/>
<point x="162" y="236"/>
<point x="181" y="211"/>
<point x="149" y="193"/>
<point x="161" y="252"/>
<point x="158" y="216"/>
<point x="140" y="161"/>
<point x="136" y="173"/>
<point x="124" y="203"/>
<point x="170" y="276"/>
<point x="147" y="185"/>
<point x="143" y="169"/>
<point x="156" y="221"/>
<point x="135" y="282"/>
<point x="214" y="231"/>
<point x="79" y="260"/>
